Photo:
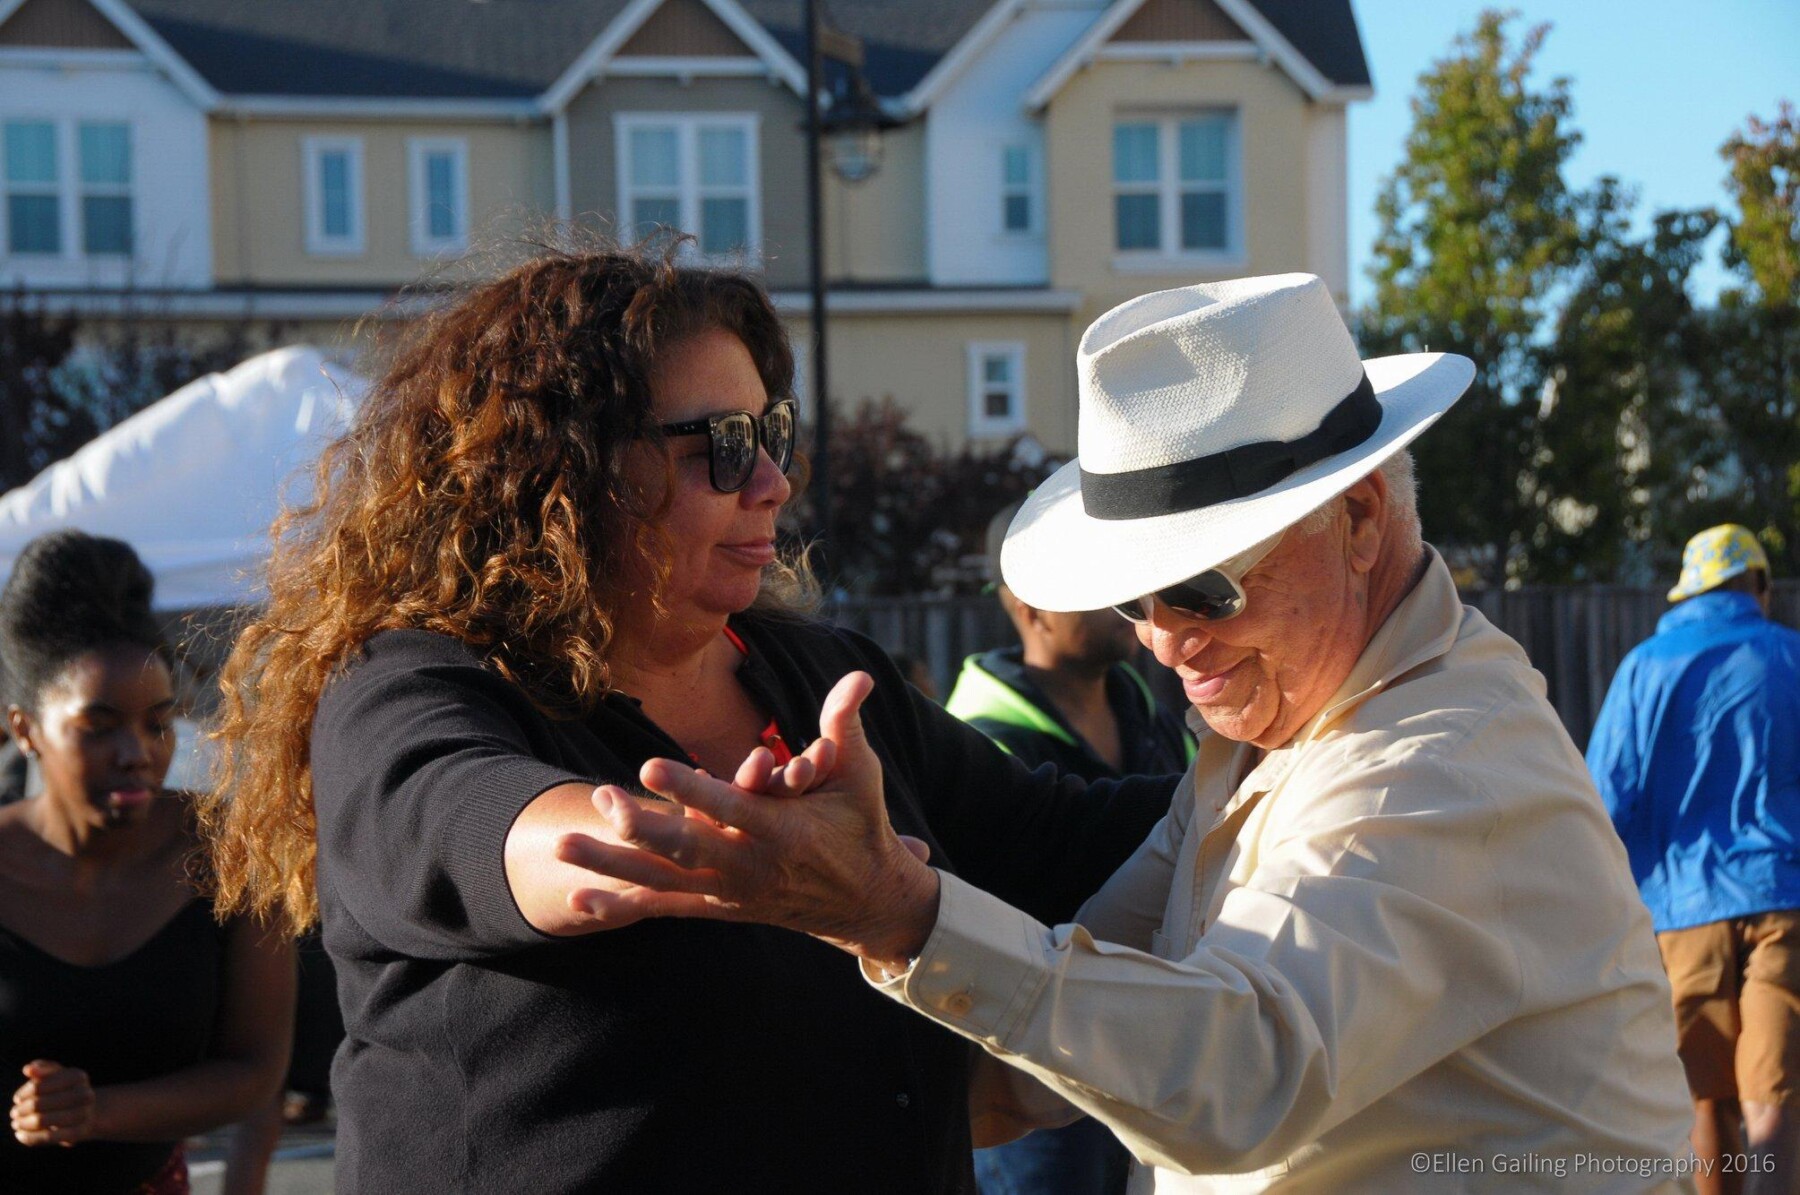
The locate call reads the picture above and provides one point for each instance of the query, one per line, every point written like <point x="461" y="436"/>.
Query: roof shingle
<point x="517" y="48"/>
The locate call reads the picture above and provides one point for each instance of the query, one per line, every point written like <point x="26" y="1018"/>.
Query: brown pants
<point x="1737" y="1006"/>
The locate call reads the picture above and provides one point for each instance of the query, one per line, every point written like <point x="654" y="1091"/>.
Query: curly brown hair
<point x="481" y="494"/>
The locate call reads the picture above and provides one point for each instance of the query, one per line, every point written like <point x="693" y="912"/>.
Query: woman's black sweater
<point x="669" y="1056"/>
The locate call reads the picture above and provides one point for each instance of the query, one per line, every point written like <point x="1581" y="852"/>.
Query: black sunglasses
<point x="1211" y="596"/>
<point x="735" y="437"/>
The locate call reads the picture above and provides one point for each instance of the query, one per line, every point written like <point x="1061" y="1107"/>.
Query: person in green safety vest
<point x="1066" y="695"/>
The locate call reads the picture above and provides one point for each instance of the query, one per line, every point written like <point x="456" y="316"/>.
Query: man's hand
<point x="55" y="1106"/>
<point x="807" y="846"/>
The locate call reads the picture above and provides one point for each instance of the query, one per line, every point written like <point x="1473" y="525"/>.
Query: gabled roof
<point x="902" y="39"/>
<point x="1325" y="32"/>
<point x="1326" y="25"/>
<point x="148" y="42"/>
<point x="520" y="49"/>
<point x="603" y="51"/>
<point x="487" y="49"/>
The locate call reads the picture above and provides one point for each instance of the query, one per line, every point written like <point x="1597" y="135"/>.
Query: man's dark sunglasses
<point x="735" y="437"/>
<point x="1211" y="596"/>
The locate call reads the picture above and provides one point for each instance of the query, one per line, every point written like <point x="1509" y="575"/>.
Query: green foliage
<point x="1478" y="233"/>
<point x="1610" y="418"/>
<point x="1764" y="180"/>
<point x="35" y="418"/>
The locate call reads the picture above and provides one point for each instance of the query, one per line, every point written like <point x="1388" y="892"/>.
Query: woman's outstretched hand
<point x="806" y="846"/>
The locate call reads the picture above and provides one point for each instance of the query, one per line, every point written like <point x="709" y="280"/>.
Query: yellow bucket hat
<point x="1716" y="555"/>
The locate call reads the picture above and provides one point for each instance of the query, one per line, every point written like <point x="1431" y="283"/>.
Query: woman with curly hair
<point x="129" y="1018"/>
<point x="544" y="555"/>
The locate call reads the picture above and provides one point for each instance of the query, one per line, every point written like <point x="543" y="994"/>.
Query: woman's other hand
<point x="55" y="1105"/>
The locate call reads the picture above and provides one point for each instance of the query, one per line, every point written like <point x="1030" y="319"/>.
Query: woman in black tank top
<point x="129" y="1017"/>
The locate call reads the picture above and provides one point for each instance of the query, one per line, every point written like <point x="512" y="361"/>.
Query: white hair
<point x="1403" y="497"/>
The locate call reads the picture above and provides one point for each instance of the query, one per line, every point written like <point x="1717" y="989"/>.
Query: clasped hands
<point x="54" y="1106"/>
<point x="806" y="845"/>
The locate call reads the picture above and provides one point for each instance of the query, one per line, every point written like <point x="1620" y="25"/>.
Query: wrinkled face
<point x="1093" y="639"/>
<point x="1259" y="677"/>
<point x="721" y="542"/>
<point x="104" y="733"/>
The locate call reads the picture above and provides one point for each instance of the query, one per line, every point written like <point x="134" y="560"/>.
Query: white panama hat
<point x="1212" y="417"/>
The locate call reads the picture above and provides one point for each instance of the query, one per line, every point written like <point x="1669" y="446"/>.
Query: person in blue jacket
<point x="1697" y="756"/>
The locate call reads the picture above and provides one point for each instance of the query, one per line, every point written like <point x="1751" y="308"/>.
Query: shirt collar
<point x="1717" y="606"/>
<point x="1421" y="628"/>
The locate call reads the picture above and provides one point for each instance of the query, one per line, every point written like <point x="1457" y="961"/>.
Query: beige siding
<point x="593" y="174"/>
<point x="683" y="29"/>
<point x="875" y="229"/>
<point x="921" y="362"/>
<point x="1328" y="198"/>
<point x="259" y="201"/>
<point x="1179" y="20"/>
<point x="1272" y="129"/>
<point x="62" y="24"/>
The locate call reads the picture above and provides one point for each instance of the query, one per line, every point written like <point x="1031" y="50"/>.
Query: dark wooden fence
<point x="1575" y="635"/>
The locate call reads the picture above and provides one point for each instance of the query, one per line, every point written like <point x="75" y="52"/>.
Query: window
<point x="33" y="197"/>
<point x="438" y="171"/>
<point x="1017" y="186"/>
<point x="996" y="388"/>
<point x="334" y="195"/>
<point x="106" y="219"/>
<point x="1175" y="185"/>
<point x="693" y="173"/>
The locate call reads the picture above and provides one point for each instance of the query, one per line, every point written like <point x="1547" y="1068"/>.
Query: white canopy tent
<point x="193" y="481"/>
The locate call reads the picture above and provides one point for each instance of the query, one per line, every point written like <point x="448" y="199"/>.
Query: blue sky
<point x="1657" y="84"/>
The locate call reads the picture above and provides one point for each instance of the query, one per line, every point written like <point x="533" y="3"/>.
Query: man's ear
<point x="1366" y="503"/>
<point x="18" y="725"/>
<point x="1031" y="616"/>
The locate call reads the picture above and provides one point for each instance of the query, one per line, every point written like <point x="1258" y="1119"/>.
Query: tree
<point x="36" y="420"/>
<point x="1764" y="180"/>
<point x="1691" y="414"/>
<point x="1754" y="337"/>
<point x="919" y="514"/>
<point x="1619" y="437"/>
<point x="1479" y="233"/>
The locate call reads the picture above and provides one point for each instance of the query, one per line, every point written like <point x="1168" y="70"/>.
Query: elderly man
<point x="1385" y="940"/>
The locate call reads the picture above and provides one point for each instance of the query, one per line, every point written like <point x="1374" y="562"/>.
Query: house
<point x="302" y="160"/>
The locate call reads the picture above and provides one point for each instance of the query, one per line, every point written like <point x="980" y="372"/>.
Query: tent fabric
<point x="194" y="480"/>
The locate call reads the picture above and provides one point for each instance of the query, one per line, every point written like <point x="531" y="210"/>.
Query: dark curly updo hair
<point x="70" y="593"/>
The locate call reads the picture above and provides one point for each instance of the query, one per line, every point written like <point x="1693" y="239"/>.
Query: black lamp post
<point x="854" y="122"/>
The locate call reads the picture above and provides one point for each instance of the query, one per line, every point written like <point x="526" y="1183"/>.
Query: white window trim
<point x="981" y="425"/>
<point x="1033" y="190"/>
<point x="419" y="195"/>
<point x="1168" y="187"/>
<point x="68" y="189"/>
<point x="317" y="243"/>
<point x="126" y="190"/>
<point x="687" y="187"/>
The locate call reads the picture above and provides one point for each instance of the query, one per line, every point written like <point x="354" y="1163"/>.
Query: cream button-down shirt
<point x="1403" y="952"/>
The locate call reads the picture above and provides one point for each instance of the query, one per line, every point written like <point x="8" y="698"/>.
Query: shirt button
<point x="904" y="1100"/>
